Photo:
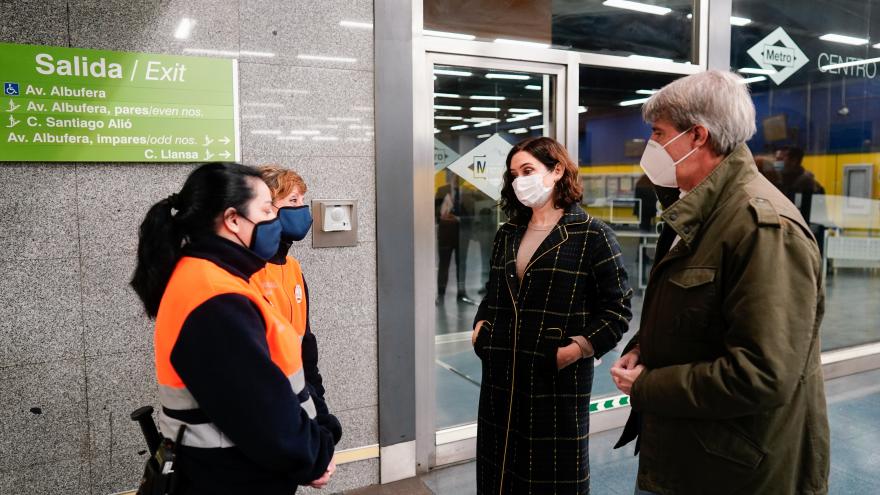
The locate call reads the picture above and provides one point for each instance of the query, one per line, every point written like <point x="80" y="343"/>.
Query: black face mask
<point x="266" y="237"/>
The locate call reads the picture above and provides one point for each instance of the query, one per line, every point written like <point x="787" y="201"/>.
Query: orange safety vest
<point x="283" y="286"/>
<point x="193" y="282"/>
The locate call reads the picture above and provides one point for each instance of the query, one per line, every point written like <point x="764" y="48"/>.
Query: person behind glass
<point x="453" y="209"/>
<point x="798" y="184"/>
<point x="283" y="284"/>
<point x="225" y="365"/>
<point x="724" y="375"/>
<point x="557" y="297"/>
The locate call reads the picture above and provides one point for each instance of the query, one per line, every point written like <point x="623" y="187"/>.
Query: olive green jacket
<point x="732" y="399"/>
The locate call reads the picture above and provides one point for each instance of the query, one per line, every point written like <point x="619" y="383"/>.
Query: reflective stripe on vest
<point x="193" y="282"/>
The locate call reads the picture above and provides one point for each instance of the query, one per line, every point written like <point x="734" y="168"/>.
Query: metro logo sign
<point x="778" y="53"/>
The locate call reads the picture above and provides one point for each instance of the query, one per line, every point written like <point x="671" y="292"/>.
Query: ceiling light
<point x="646" y="91"/>
<point x="846" y="40"/>
<point x="628" y="103"/>
<point x="483" y="136"/>
<point x="446" y="117"/>
<point x="636" y="6"/>
<point x="522" y="110"/>
<point x="447" y="72"/>
<point x="248" y="53"/>
<point x="751" y="80"/>
<point x="755" y="70"/>
<point x="582" y="109"/>
<point x="447" y="107"/>
<point x="324" y="58"/>
<point x="436" y="130"/>
<point x="652" y="59"/>
<point x="479" y="119"/>
<point x="522" y="43"/>
<point x="536" y="127"/>
<point x="444" y="34"/>
<point x="485" y="109"/>
<point x="534" y="87"/>
<point x="495" y="98"/>
<point x="487" y="123"/>
<point x="458" y="127"/>
<point x="739" y="21"/>
<point x="446" y="95"/>
<point x="356" y="24"/>
<point x="498" y="75"/>
<point x="184" y="29"/>
<point x="521" y="130"/>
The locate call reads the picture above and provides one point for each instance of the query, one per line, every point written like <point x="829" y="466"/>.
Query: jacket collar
<point x="280" y="257"/>
<point x="573" y="215"/>
<point x="687" y="215"/>
<point x="234" y="258"/>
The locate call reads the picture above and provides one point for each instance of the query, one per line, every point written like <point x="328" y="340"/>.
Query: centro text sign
<point x="76" y="105"/>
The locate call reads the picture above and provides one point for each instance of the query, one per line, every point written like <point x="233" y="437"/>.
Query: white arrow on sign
<point x="208" y="140"/>
<point x="443" y="155"/>
<point x="225" y="140"/>
<point x="12" y="106"/>
<point x="208" y="155"/>
<point x="225" y="155"/>
<point x="484" y="165"/>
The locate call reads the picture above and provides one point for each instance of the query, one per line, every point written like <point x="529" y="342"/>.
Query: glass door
<point x="481" y="108"/>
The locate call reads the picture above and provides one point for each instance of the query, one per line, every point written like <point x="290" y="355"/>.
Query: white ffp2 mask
<point x="659" y="166"/>
<point x="531" y="191"/>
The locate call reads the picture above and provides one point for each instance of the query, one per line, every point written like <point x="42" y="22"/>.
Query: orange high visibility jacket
<point x="284" y="288"/>
<point x="194" y="282"/>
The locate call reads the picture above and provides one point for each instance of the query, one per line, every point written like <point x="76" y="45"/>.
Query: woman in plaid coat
<point x="557" y="298"/>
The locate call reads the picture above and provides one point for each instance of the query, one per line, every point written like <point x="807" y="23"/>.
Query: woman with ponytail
<point x="228" y="377"/>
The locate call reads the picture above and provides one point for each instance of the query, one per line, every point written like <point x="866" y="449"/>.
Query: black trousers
<point x="451" y="241"/>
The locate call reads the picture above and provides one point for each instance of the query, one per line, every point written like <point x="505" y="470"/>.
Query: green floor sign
<point x="73" y="105"/>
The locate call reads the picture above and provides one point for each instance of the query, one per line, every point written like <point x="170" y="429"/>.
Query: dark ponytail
<point x="172" y="222"/>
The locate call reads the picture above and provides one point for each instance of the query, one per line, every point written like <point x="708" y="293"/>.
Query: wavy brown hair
<point x="548" y="151"/>
<point x="281" y="181"/>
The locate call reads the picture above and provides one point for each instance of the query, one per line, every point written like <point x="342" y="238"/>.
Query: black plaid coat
<point x="534" y="420"/>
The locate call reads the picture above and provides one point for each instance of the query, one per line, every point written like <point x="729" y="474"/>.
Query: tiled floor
<point x="854" y="411"/>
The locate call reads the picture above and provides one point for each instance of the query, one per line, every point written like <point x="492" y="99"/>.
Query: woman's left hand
<point x="568" y="355"/>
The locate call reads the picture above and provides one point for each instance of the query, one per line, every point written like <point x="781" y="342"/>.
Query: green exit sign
<point x="75" y="105"/>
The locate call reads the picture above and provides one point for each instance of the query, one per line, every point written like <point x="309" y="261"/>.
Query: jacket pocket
<point x="725" y="443"/>
<point x="483" y="339"/>
<point x="549" y="341"/>
<point x="690" y="278"/>
<point x="693" y="294"/>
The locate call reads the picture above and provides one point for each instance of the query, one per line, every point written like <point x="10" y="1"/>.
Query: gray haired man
<point x="724" y="374"/>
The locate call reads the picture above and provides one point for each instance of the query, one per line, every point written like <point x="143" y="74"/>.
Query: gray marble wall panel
<point x="310" y="32"/>
<point x="114" y="198"/>
<point x="114" y="316"/>
<point x="348" y="365"/>
<point x="40" y="311"/>
<point x="69" y="477"/>
<point x="150" y="25"/>
<point x="38" y="211"/>
<point x="18" y="24"/>
<point x="360" y="427"/>
<point x="42" y="414"/>
<point x="304" y="111"/>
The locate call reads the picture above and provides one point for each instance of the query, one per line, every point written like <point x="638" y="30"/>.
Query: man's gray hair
<point x="716" y="100"/>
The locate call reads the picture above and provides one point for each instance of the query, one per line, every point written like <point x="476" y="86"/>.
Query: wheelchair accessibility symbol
<point x="10" y="89"/>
